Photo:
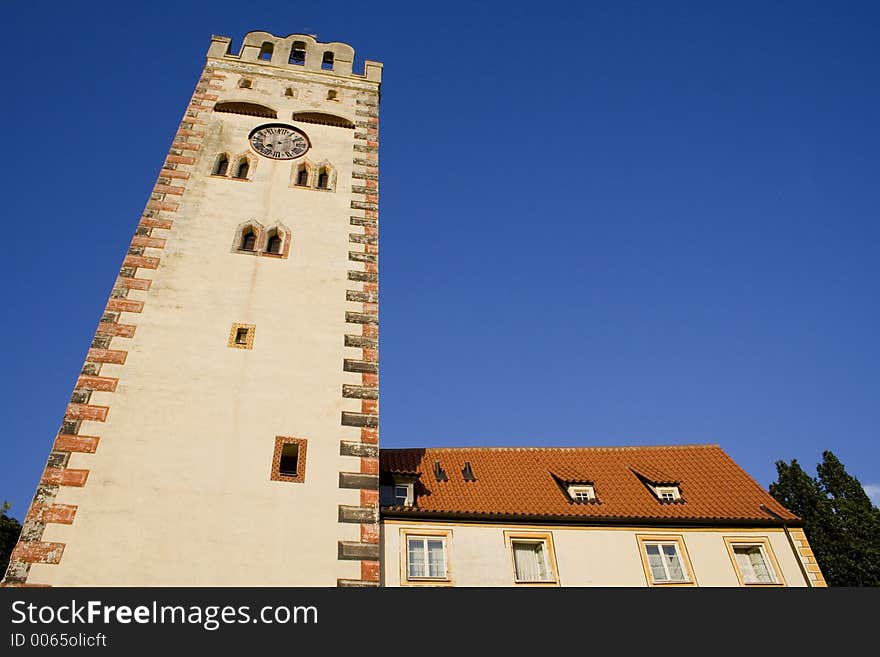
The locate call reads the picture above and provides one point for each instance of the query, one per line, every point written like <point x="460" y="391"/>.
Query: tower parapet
<point x="295" y="52"/>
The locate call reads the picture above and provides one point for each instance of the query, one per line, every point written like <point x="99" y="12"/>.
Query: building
<point x="230" y="395"/>
<point x="224" y="428"/>
<point x="596" y="516"/>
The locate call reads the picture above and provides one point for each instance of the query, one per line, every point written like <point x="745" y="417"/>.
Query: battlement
<point x="295" y="52"/>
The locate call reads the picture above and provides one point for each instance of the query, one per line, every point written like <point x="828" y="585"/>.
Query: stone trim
<point x="363" y="333"/>
<point x="106" y="348"/>
<point x="808" y="559"/>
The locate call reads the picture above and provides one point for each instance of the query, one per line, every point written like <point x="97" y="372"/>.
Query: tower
<point x="224" y="427"/>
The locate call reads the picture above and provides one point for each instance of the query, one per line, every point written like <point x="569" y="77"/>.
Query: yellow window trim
<point x="678" y="539"/>
<point x="547" y="538"/>
<point x="764" y="542"/>
<point x="405" y="535"/>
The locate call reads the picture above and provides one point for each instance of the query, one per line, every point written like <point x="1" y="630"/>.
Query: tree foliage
<point x="841" y="523"/>
<point x="10" y="528"/>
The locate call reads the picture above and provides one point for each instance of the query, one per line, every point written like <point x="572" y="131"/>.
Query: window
<point x="273" y="244"/>
<point x="581" y="492"/>
<point x="754" y="561"/>
<point x="403" y="495"/>
<point x="241" y="171"/>
<point x="323" y="179"/>
<point x="248" y="240"/>
<point x="302" y="176"/>
<point x="245" y="83"/>
<point x="287" y="465"/>
<point x="327" y="61"/>
<point x="332" y="95"/>
<point x="241" y="336"/>
<point x="290" y="92"/>
<point x="532" y="558"/>
<point x="221" y="167"/>
<point x="667" y="493"/>
<point x="665" y="560"/>
<point x="266" y="51"/>
<point x="426" y="557"/>
<point x="297" y="53"/>
<point x="289" y="460"/>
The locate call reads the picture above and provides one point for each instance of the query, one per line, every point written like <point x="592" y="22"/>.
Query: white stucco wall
<point x="179" y="490"/>
<point x="585" y="556"/>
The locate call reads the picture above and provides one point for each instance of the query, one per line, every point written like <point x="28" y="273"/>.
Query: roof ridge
<point x="514" y="448"/>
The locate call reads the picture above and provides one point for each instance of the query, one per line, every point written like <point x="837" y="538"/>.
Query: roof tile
<point x="522" y="481"/>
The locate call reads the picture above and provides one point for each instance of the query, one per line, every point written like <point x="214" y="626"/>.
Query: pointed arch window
<point x="266" y="51"/>
<point x="248" y="239"/>
<point x="242" y="169"/>
<point x="273" y="243"/>
<point x="297" y="53"/>
<point x="221" y="166"/>
<point x="323" y="179"/>
<point x="302" y="176"/>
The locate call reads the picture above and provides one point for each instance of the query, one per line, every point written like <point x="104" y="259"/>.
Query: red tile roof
<point x="514" y="482"/>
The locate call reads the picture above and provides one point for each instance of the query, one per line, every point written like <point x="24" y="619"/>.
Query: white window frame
<point x="762" y="543"/>
<point x="660" y="541"/>
<point x="671" y="491"/>
<point x="407" y="498"/>
<point x="547" y="552"/>
<point x="416" y="534"/>
<point x="584" y="489"/>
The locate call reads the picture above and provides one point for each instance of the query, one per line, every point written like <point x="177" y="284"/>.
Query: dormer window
<point x="399" y="492"/>
<point x="403" y="495"/>
<point x="667" y="493"/>
<point x="581" y="492"/>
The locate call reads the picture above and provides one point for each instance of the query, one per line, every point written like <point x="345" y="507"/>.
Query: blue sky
<point x="602" y="223"/>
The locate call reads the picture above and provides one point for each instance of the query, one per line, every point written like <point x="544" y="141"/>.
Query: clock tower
<point x="223" y="430"/>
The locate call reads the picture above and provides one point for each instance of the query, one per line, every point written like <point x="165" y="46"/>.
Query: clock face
<point x="279" y="141"/>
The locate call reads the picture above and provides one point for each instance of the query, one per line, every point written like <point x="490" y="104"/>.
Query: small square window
<point x="665" y="560"/>
<point x="532" y="556"/>
<point x="401" y="495"/>
<point x="667" y="493"/>
<point x="241" y="336"/>
<point x="754" y="561"/>
<point x="582" y="493"/>
<point x="289" y="459"/>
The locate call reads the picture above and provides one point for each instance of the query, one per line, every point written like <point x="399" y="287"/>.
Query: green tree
<point x="10" y="528"/>
<point x="841" y="523"/>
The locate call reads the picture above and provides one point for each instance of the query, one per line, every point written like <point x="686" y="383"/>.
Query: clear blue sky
<point x="602" y="223"/>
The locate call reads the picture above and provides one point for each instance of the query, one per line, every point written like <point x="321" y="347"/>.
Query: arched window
<point x="248" y="239"/>
<point x="302" y="176"/>
<point x="297" y="53"/>
<point x="273" y="244"/>
<point x="323" y="179"/>
<point x="241" y="171"/>
<point x="266" y="51"/>
<point x="327" y="61"/>
<point x="221" y="167"/>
